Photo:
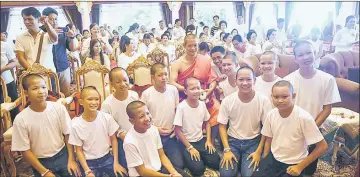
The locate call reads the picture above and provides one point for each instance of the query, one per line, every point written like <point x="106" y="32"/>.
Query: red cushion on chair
<point x="282" y="72"/>
<point x="140" y="89"/>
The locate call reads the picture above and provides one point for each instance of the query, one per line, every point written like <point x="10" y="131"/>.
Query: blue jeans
<point x="57" y="164"/>
<point x="241" y="149"/>
<point x="102" y="166"/>
<point x="197" y="168"/>
<point x="121" y="154"/>
<point x="172" y="151"/>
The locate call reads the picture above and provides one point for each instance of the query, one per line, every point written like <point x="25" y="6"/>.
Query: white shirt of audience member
<point x="344" y="38"/>
<point x="27" y="44"/>
<point x="244" y="118"/>
<point x="178" y="32"/>
<point x="30" y="128"/>
<point x="7" y="54"/>
<point x="227" y="88"/>
<point x="191" y="120"/>
<point x="312" y="94"/>
<point x="93" y="136"/>
<point x="85" y="49"/>
<point x="142" y="149"/>
<point x="117" y="109"/>
<point x="291" y="135"/>
<point x="124" y="60"/>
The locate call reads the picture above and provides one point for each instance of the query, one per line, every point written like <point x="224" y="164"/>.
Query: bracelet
<point x="190" y="147"/>
<point x="72" y="37"/>
<point x="46" y="172"/>
<point x="88" y="172"/>
<point x="227" y="149"/>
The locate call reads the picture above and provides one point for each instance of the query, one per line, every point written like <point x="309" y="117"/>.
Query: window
<point x="16" y="24"/>
<point x="125" y="14"/>
<point x="309" y="15"/>
<point x="204" y="12"/>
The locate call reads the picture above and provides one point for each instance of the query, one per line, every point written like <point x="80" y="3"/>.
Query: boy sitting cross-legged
<point x="143" y="149"/>
<point x="90" y="135"/>
<point x="289" y="129"/>
<point x="190" y="116"/>
<point x="41" y="132"/>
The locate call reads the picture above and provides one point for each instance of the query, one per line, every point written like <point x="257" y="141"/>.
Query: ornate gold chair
<point x="159" y="56"/>
<point x="179" y="50"/>
<point x="93" y="74"/>
<point x="139" y="71"/>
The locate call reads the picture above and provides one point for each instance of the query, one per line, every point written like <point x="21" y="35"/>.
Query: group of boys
<point x="158" y="136"/>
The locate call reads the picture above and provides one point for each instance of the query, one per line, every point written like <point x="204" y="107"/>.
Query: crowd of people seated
<point x="265" y="125"/>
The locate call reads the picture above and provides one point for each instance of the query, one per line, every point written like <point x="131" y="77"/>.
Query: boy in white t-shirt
<point x="190" y="116"/>
<point x="41" y="132"/>
<point x="268" y="62"/>
<point x="115" y="105"/>
<point x="228" y="66"/>
<point x="316" y="90"/>
<point x="92" y="134"/>
<point x="162" y="100"/>
<point x="143" y="149"/>
<point x="244" y="111"/>
<point x="289" y="129"/>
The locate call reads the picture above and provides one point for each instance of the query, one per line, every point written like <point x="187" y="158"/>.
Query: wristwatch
<point x="189" y="148"/>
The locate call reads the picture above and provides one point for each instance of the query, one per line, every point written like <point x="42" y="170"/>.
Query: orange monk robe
<point x="202" y="70"/>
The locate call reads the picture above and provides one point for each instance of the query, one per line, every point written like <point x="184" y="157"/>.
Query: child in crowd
<point x="190" y="116"/>
<point x="264" y="82"/>
<point x="217" y="54"/>
<point x="143" y="149"/>
<point x="316" y="90"/>
<point x="48" y="154"/>
<point x="289" y="129"/>
<point x="92" y="134"/>
<point x="244" y="111"/>
<point x="162" y="100"/>
<point x="229" y="65"/>
<point x="115" y="105"/>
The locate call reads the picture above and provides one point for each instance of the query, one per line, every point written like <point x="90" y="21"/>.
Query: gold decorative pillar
<point x="174" y="8"/>
<point x="84" y="8"/>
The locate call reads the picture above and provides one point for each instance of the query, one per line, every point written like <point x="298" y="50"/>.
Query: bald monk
<point x="191" y="64"/>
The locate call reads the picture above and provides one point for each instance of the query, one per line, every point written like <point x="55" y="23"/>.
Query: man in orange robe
<point x="198" y="66"/>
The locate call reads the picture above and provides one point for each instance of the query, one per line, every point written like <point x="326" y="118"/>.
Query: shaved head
<point x="85" y="90"/>
<point x="132" y="106"/>
<point x="188" y="37"/>
<point x="284" y="83"/>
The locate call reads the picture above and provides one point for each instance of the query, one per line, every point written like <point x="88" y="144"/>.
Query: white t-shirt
<point x="242" y="30"/>
<point x="145" y="50"/>
<point x="93" y="136"/>
<point x="265" y="88"/>
<point x="191" y="120"/>
<point x="142" y="149"/>
<point x="274" y="49"/>
<point x="244" y="118"/>
<point x="162" y="106"/>
<point x="343" y="37"/>
<point x="317" y="49"/>
<point x="170" y="50"/>
<point x="133" y="36"/>
<point x="291" y="135"/>
<point x="281" y="35"/>
<point x="41" y="132"/>
<point x="312" y="94"/>
<point x="117" y="109"/>
<point x="7" y="54"/>
<point x="27" y="44"/>
<point x="124" y="60"/>
<point x="260" y="32"/>
<point x="159" y="32"/>
<point x="178" y="32"/>
<point x="227" y="88"/>
<point x="252" y="50"/>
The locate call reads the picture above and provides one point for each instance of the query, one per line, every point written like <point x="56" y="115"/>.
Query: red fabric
<point x="140" y="89"/>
